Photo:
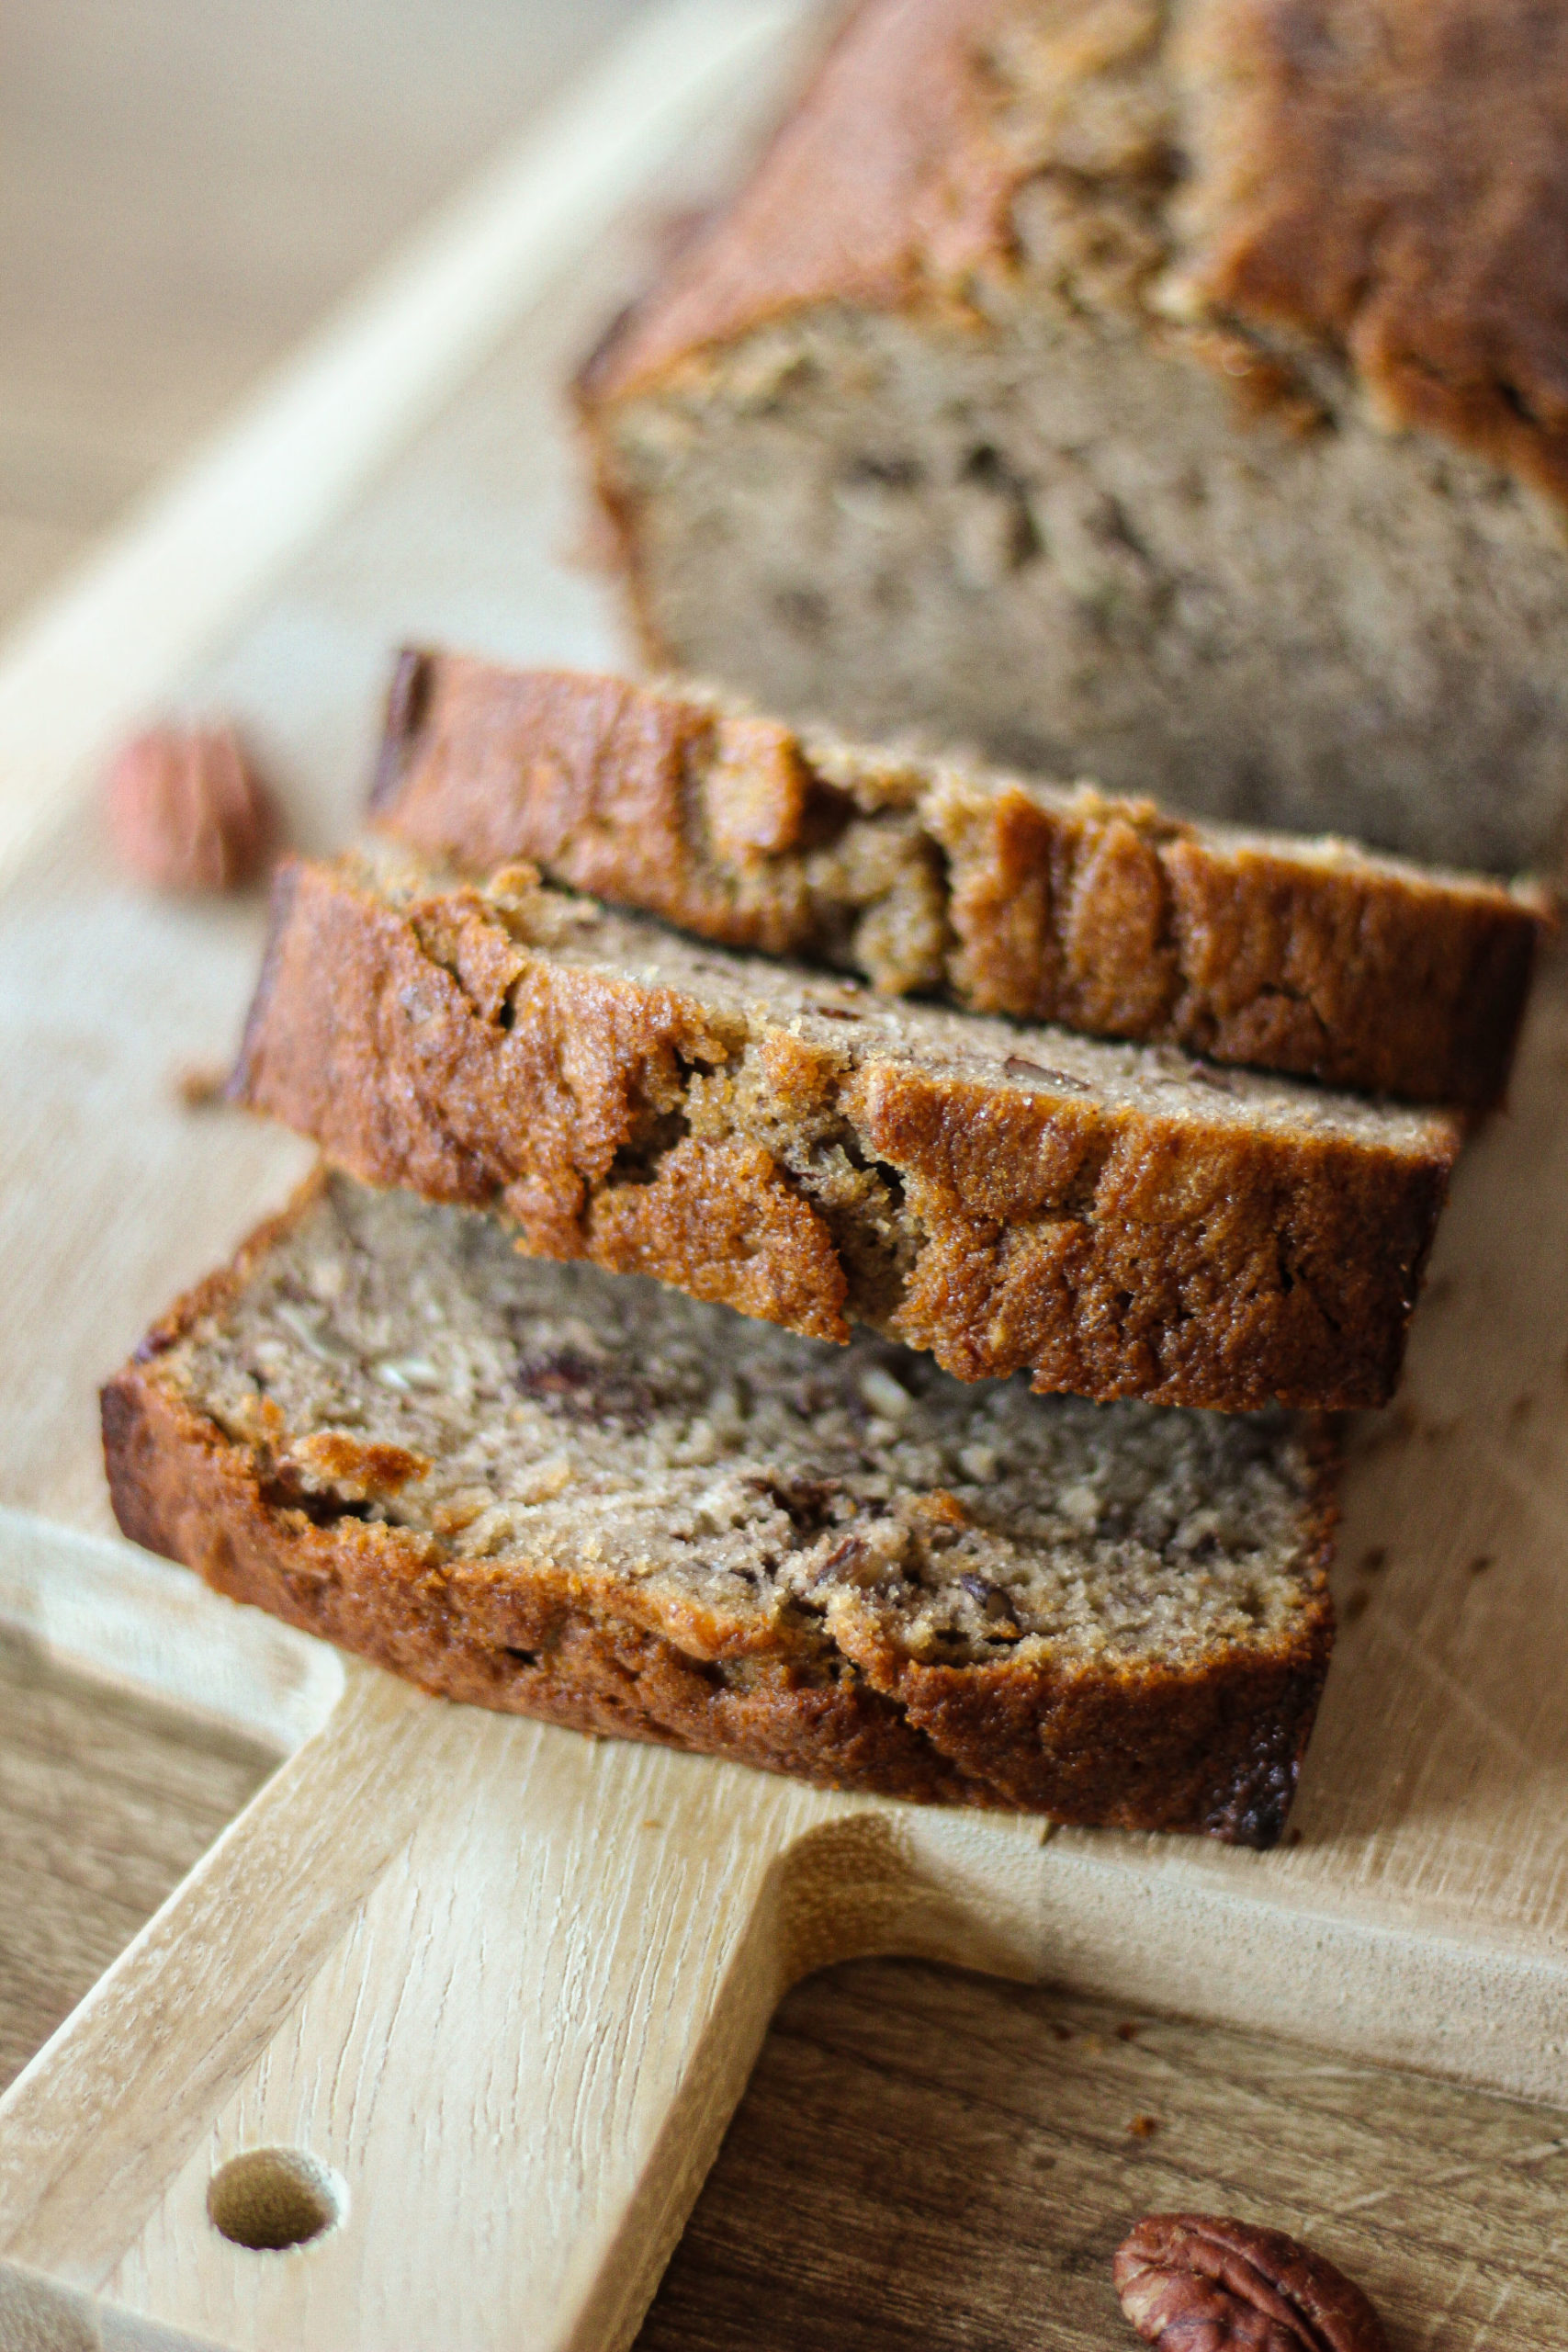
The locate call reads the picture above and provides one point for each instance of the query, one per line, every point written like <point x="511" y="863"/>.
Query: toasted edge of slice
<point x="1008" y="895"/>
<point x="1116" y="1219"/>
<point x="316" y="1524"/>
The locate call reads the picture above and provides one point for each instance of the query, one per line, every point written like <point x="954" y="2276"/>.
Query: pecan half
<point x="186" y="811"/>
<point x="1191" y="2283"/>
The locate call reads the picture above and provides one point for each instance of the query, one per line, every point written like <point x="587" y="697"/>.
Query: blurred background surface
<point x="186" y="185"/>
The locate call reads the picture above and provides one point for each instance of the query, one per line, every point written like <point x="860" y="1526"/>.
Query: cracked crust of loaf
<point x="712" y="1538"/>
<point x="1008" y="895"/>
<point x="1385" y="178"/>
<point x="1159" y="388"/>
<point x="1118" y="1220"/>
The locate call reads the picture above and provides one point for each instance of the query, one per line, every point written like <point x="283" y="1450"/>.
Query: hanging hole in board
<point x="272" y="2197"/>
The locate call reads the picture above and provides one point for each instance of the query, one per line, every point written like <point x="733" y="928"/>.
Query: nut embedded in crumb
<point x="1191" y="2278"/>
<point x="185" y="810"/>
<point x="198" y="1085"/>
<point x="341" y="1461"/>
<point x="941" y="1508"/>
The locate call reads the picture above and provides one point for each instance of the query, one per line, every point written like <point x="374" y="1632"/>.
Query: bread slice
<point x="1119" y="1220"/>
<point x="1169" y="393"/>
<point x="926" y="876"/>
<point x="531" y="1486"/>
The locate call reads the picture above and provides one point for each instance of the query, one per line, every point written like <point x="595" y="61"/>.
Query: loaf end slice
<point x="530" y="1486"/>
<point x="1038" y="388"/>
<point x="1117" y="1220"/>
<point x="939" y="875"/>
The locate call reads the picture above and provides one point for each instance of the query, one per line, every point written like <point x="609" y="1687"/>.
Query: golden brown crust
<point x="1390" y="177"/>
<point x="584" y="774"/>
<point x="886" y="176"/>
<point x="1214" y="1748"/>
<point x="1105" y="915"/>
<point x="1386" y="179"/>
<point x="1118" y="920"/>
<point x="1108" y="1247"/>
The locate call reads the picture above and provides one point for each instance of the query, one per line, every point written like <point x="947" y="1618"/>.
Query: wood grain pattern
<point x="106" y="1801"/>
<point x="185" y="189"/>
<point x="507" y="1946"/>
<point x="1434" y="1787"/>
<point x="388" y="1951"/>
<point x="300" y="1984"/>
<point x="943" y="2160"/>
<point x="920" y="2156"/>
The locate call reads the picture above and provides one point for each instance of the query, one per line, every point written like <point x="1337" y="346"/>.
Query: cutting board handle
<point x="473" y="1999"/>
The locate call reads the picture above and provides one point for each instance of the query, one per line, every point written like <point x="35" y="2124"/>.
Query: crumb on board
<point x="198" y="1085"/>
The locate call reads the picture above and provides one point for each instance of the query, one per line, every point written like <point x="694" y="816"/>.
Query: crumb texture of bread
<point x="1006" y="895"/>
<point x="1173" y="391"/>
<point x="526" y="1485"/>
<point x="1118" y="1220"/>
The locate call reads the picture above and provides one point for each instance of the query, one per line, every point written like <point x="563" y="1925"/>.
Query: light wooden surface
<point x="945" y="2161"/>
<point x="106" y="1801"/>
<point x="110" y="1788"/>
<point x="506" y="1983"/>
<point x="202" y="549"/>
<point x="920" y="2156"/>
<point x="543" y="1963"/>
<point x="1421" y="1917"/>
<point x="184" y="191"/>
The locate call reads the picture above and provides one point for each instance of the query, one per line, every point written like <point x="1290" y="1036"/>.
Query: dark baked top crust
<point x="1389" y="178"/>
<point x="884" y="182"/>
<point x="938" y="877"/>
<point x="1382" y="181"/>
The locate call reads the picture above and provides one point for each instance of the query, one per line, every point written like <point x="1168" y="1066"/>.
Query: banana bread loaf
<point x="1170" y="391"/>
<point x="1008" y="895"/>
<point x="1119" y="1220"/>
<point x="535" y="1487"/>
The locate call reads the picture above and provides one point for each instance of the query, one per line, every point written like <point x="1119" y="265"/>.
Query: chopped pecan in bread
<point x="533" y="1487"/>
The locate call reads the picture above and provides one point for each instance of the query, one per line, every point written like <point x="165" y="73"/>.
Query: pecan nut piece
<point x="1191" y="2283"/>
<point x="186" y="811"/>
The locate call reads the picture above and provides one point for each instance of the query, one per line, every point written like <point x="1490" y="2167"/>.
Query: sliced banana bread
<point x="531" y="1486"/>
<point x="1170" y="391"/>
<point x="1119" y="1220"/>
<point x="1013" y="897"/>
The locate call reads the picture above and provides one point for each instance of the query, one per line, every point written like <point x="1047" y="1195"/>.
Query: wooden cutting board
<point x="475" y="1995"/>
